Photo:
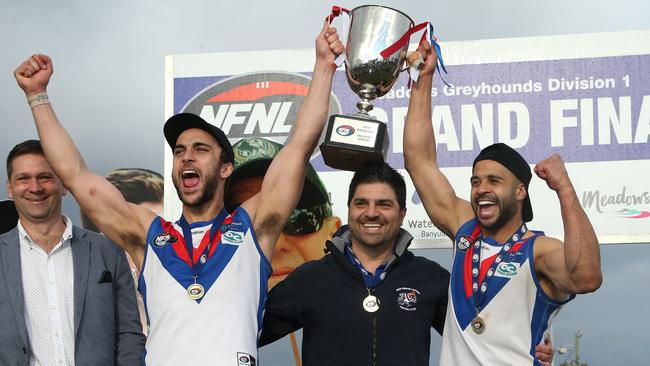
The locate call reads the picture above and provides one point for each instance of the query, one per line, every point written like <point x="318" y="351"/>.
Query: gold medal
<point x="478" y="325"/>
<point x="195" y="291"/>
<point x="371" y="304"/>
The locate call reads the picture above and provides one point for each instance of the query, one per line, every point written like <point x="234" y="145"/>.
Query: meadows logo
<point x="345" y="130"/>
<point x="604" y="202"/>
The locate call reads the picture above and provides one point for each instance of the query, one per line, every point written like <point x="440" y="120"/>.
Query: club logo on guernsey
<point x="407" y="298"/>
<point x="163" y="239"/>
<point x="507" y="269"/>
<point x="464" y="242"/>
<point x="232" y="237"/>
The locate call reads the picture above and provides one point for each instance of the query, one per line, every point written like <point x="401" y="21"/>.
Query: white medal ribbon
<point x="342" y="29"/>
<point x="414" y="68"/>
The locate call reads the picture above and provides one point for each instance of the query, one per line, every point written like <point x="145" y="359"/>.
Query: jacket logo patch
<point x="407" y="298"/>
<point x="163" y="239"/>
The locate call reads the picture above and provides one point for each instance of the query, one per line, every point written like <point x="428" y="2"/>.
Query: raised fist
<point x="553" y="172"/>
<point x="34" y="74"/>
<point x="328" y="44"/>
<point x="430" y="58"/>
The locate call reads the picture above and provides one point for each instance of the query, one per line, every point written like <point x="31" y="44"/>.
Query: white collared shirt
<point x="48" y="288"/>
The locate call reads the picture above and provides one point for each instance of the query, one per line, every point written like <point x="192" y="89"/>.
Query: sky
<point x="108" y="91"/>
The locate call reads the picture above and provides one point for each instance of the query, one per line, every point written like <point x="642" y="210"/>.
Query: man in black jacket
<point x="370" y="300"/>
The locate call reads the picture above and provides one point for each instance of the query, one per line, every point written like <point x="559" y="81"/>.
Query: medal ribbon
<point x="336" y="11"/>
<point x="483" y="274"/>
<point x="390" y="50"/>
<point x="427" y="35"/>
<point x="197" y="267"/>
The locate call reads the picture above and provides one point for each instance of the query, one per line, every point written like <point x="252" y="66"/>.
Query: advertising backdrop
<point x="585" y="97"/>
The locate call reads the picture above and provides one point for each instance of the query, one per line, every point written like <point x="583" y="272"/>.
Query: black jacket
<point x="325" y="297"/>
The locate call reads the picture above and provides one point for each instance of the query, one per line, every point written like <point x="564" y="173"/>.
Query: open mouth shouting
<point x="190" y="179"/>
<point x="486" y="207"/>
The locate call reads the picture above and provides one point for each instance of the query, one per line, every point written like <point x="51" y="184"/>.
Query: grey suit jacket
<point x="106" y="321"/>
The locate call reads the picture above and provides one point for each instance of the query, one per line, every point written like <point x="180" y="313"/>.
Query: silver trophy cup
<point x="354" y="140"/>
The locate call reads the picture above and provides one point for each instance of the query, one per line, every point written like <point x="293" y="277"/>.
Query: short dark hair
<point x="379" y="173"/>
<point x="137" y="185"/>
<point x="23" y="148"/>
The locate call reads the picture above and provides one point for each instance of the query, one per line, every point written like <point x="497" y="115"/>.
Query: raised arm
<point x="124" y="223"/>
<point x="282" y="184"/>
<point x="447" y="211"/>
<point x="572" y="267"/>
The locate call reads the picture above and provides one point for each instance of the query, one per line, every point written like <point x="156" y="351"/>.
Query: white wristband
<point x="38" y="99"/>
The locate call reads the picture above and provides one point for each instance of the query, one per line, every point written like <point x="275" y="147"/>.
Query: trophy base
<point x="352" y="141"/>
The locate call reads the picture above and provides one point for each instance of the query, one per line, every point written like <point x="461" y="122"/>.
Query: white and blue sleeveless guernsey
<point x="498" y="312"/>
<point x="220" y="327"/>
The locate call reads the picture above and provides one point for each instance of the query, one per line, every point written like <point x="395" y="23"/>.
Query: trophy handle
<point x="390" y="50"/>
<point x="403" y="41"/>
<point x="336" y="11"/>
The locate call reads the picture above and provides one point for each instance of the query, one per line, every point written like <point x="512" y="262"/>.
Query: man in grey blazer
<point x="66" y="294"/>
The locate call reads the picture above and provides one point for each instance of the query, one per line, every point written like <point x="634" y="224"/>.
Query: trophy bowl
<point x="357" y="139"/>
<point x="372" y="29"/>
